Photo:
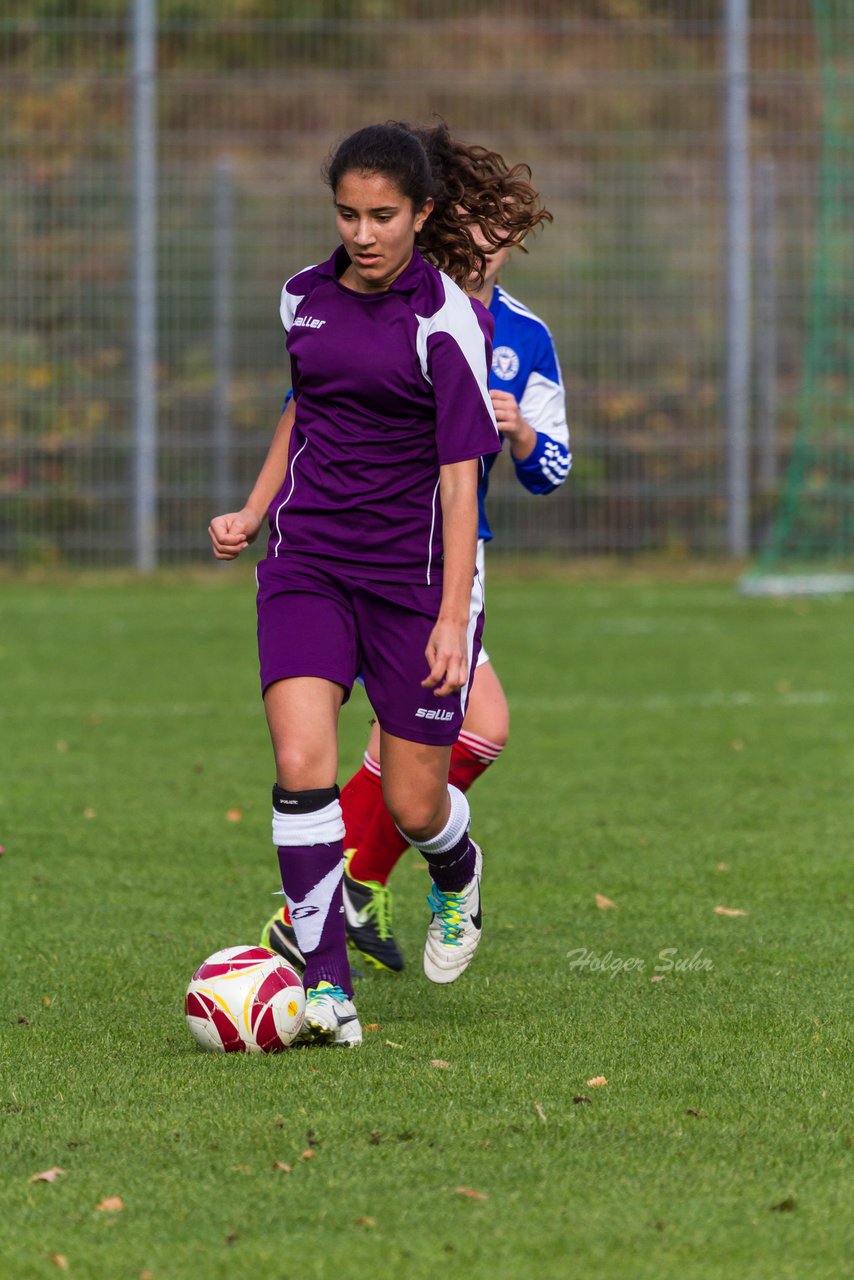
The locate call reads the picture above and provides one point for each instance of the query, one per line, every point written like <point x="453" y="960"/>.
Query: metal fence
<point x="619" y="110"/>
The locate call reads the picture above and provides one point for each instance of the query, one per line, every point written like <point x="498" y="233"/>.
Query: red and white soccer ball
<point x="245" y="1000"/>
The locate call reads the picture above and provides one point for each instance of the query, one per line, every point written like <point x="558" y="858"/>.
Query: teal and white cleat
<point x="455" y="929"/>
<point x="330" y="1018"/>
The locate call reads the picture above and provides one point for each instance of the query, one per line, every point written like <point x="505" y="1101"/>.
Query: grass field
<point x="674" y="748"/>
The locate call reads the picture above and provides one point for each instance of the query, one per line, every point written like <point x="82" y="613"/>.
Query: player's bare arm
<point x="447" y="651"/>
<point x="234" y="532"/>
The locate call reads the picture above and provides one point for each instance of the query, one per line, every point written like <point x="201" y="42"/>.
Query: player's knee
<point x="419" y="817"/>
<point x="299" y="768"/>
<point x="497" y="730"/>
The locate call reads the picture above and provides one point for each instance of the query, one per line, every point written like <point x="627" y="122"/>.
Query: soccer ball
<point x="244" y="1000"/>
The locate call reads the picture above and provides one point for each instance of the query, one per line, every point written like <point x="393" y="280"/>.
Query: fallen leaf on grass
<point x="111" y="1204"/>
<point x="439" y="1062"/>
<point x="234" y="815"/>
<point x="308" y="1154"/>
<point x="471" y="1193"/>
<point x="59" y="1260"/>
<point x="695" y="1111"/>
<point x="657" y="977"/>
<point x="48" y="1175"/>
<point x="722" y="866"/>
<point x="605" y="904"/>
<point x="596" y="1082"/>
<point x="371" y="1026"/>
<point x="391" y="1044"/>
<point x="366" y="1222"/>
<point x="729" y="911"/>
<point x="89" y="813"/>
<point x="540" y="1112"/>
<point x="581" y="1097"/>
<point x="46" y="1001"/>
<point x="282" y="1167"/>
<point x="375" y="1138"/>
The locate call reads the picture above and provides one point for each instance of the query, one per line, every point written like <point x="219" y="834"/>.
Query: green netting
<point x="812" y="542"/>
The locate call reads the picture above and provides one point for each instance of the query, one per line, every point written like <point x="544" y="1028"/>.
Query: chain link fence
<point x="617" y="107"/>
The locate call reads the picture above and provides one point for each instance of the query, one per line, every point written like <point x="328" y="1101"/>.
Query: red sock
<point x="471" y="756"/>
<point x="380" y="849"/>
<point x="382" y="845"/>
<point x="359" y="799"/>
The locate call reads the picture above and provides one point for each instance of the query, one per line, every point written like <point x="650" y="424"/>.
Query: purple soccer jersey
<point x="388" y="387"/>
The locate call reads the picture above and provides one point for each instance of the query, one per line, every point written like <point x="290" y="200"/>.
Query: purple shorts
<point x="315" y="621"/>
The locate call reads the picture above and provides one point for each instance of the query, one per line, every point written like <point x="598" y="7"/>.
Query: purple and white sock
<point x="310" y="846"/>
<point x="450" y="854"/>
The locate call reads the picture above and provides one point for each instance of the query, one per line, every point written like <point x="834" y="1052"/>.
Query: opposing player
<point x="527" y="394"/>
<point x="371" y="557"/>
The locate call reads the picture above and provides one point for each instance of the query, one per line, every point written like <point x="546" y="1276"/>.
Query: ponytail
<point x="474" y="187"/>
<point x="471" y="186"/>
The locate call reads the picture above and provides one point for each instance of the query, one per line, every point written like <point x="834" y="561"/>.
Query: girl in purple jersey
<point x="371" y="557"/>
<point x="531" y="414"/>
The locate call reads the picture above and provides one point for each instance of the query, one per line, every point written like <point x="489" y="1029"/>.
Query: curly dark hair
<point x="471" y="186"/>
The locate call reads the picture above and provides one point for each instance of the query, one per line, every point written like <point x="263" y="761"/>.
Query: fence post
<point x="223" y="240"/>
<point x="766" y="325"/>
<point x="738" y="362"/>
<point x="145" y="282"/>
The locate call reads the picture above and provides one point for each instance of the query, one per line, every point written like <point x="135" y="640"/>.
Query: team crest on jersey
<point x="505" y="363"/>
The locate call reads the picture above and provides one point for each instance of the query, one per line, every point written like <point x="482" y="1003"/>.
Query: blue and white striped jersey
<point x="524" y="363"/>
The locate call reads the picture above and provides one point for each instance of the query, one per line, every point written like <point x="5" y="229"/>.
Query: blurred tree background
<point x="617" y="106"/>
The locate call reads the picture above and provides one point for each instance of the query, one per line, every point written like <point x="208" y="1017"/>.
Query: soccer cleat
<point x="330" y="1018"/>
<point x="279" y="935"/>
<point x="455" y="929"/>
<point x="367" y="912"/>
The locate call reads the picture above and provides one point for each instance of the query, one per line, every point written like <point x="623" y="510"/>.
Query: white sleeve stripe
<point x="457" y="319"/>
<point x="288" y="303"/>
<point x="543" y="405"/>
<point x="554" y="473"/>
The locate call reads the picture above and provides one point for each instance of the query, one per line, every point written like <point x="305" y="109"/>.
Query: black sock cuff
<point x="303" y="801"/>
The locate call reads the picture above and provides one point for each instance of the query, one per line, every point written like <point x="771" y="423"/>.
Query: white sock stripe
<point x="323" y="827"/>
<point x="480" y="747"/>
<point x="454" y="829"/>
<point x="372" y="765"/>
<point x="308" y="925"/>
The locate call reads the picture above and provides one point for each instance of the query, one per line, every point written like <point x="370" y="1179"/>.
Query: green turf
<point x="674" y="748"/>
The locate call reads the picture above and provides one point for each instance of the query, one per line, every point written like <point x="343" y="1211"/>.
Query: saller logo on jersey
<point x="433" y="713"/>
<point x="308" y="322"/>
